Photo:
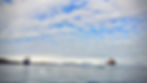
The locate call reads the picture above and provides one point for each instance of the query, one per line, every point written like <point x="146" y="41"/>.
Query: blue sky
<point x="74" y="28"/>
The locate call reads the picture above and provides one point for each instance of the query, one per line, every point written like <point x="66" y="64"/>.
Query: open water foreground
<point x="72" y="74"/>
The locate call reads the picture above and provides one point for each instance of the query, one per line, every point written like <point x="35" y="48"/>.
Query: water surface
<point x="72" y="74"/>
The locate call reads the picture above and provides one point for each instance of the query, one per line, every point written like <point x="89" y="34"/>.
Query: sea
<point x="72" y="74"/>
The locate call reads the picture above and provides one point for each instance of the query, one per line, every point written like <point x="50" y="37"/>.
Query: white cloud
<point x="20" y="15"/>
<point x="132" y="7"/>
<point x="18" y="20"/>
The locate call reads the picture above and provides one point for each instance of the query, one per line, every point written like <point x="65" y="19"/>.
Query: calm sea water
<point x="72" y="74"/>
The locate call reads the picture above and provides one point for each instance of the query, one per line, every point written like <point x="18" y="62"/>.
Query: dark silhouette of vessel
<point x="111" y="62"/>
<point x="26" y="61"/>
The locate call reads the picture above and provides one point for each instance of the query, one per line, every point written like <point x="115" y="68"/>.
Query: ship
<point x="26" y="61"/>
<point x="111" y="62"/>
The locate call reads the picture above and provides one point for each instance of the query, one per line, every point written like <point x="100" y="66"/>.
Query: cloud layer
<point x="74" y="28"/>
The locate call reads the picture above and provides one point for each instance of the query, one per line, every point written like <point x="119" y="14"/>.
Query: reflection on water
<point x="63" y="74"/>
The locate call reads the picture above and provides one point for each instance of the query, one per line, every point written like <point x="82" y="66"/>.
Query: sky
<point x="96" y="29"/>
